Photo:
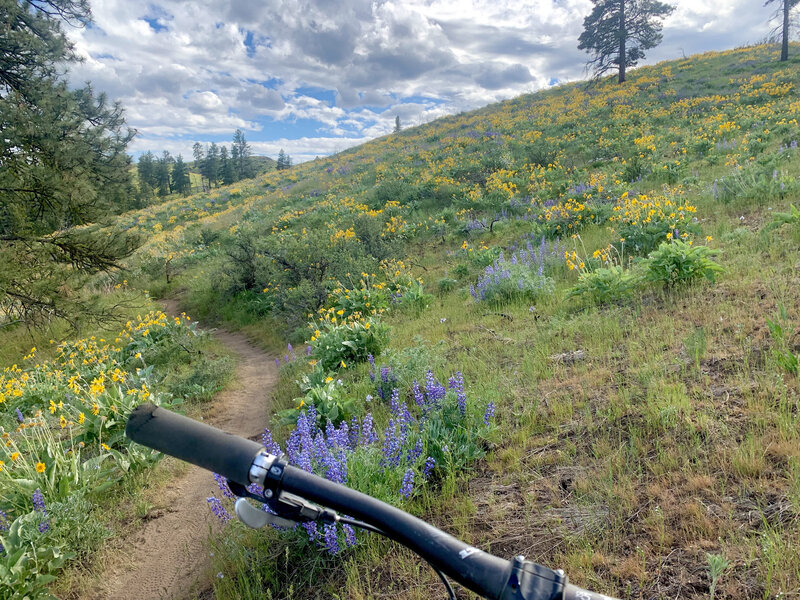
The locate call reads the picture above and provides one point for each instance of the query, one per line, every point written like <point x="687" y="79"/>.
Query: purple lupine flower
<point x="394" y="402"/>
<point x="385" y="374"/>
<point x="419" y="397"/>
<point x="278" y="362"/>
<point x="349" y="535"/>
<point x="291" y="350"/>
<point x="489" y="414"/>
<point x="331" y="538"/>
<point x="456" y="384"/>
<point x="371" y="361"/>
<point x="4" y="526"/>
<point x="308" y="350"/>
<point x="256" y="489"/>
<point x="430" y="462"/>
<point x="219" y="510"/>
<point x="368" y="435"/>
<point x="415" y="452"/>
<point x="354" y="434"/>
<point x="269" y="444"/>
<point x="407" y="486"/>
<point x="20" y="416"/>
<point x="286" y="358"/>
<point x="222" y="483"/>
<point x="311" y="530"/>
<point x="434" y="390"/>
<point x="406" y="421"/>
<point x="392" y="445"/>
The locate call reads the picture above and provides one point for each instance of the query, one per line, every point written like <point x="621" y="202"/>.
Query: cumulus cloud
<point x="305" y="73"/>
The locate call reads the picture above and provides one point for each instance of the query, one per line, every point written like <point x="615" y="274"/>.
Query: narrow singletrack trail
<point x="167" y="556"/>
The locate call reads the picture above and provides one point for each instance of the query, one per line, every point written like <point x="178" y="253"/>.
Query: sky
<point x="313" y="77"/>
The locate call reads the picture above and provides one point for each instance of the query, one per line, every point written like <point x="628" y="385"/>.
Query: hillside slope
<point x="647" y="429"/>
<point x="571" y="319"/>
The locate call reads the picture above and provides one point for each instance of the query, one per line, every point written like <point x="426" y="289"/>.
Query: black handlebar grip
<point x="196" y="443"/>
<point x="573" y="592"/>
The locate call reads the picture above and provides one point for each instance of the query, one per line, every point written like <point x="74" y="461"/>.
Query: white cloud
<point x="202" y="68"/>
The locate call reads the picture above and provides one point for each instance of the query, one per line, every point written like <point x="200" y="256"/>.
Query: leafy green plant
<point x="784" y="356"/>
<point x="677" y="262"/>
<point x="605" y="284"/>
<point x="26" y="569"/>
<point x="789" y="218"/>
<point x="414" y="299"/>
<point x="717" y="565"/>
<point x="327" y="398"/>
<point x="336" y="345"/>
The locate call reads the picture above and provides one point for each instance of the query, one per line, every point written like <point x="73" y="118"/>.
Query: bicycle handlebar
<point x="244" y="461"/>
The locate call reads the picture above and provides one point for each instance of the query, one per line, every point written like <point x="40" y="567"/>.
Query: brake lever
<point x="256" y="518"/>
<point x="288" y="509"/>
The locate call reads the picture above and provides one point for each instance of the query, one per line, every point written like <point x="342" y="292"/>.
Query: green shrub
<point x="336" y="345"/>
<point x="447" y="284"/>
<point x="414" y="299"/>
<point x="327" y="397"/>
<point x="677" y="262"/>
<point x="605" y="285"/>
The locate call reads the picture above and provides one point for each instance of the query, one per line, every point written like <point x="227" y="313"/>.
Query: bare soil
<point x="166" y="557"/>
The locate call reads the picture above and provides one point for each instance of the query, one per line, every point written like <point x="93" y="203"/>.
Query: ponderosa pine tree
<point x="617" y="32"/>
<point x="163" y="165"/>
<point x="211" y="165"/>
<point x="284" y="162"/>
<point x="146" y="170"/>
<point x="181" y="183"/>
<point x="226" y="171"/>
<point x="785" y="7"/>
<point x="243" y="166"/>
<point x="64" y="167"/>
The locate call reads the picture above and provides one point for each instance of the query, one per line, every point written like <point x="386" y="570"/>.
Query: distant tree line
<point x="216" y="165"/>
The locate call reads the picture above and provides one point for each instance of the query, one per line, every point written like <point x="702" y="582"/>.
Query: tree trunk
<point x="785" y="42"/>
<point x="622" y="36"/>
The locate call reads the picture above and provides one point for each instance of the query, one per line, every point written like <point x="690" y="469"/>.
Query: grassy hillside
<point x="586" y="299"/>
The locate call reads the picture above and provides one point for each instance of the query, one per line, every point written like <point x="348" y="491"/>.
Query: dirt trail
<point x="167" y="556"/>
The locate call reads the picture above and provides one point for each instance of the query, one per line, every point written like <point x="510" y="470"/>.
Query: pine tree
<point x="225" y="167"/>
<point x="617" y="32"/>
<point x="283" y="161"/>
<point x="211" y="165"/>
<point x="244" y="166"/>
<point x="163" y="174"/>
<point x="181" y="183"/>
<point x="785" y="7"/>
<point x="64" y="163"/>
<point x="145" y="168"/>
<point x="199" y="161"/>
<point x="397" y="124"/>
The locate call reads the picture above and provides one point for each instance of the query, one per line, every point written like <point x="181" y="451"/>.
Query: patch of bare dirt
<point x="166" y="558"/>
